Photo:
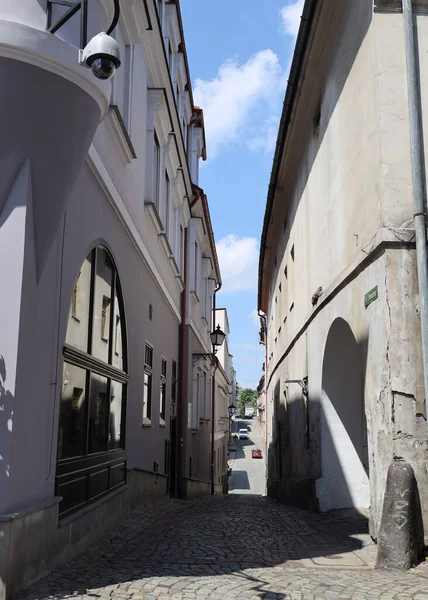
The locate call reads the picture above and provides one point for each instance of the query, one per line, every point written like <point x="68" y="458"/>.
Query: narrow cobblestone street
<point x="236" y="546"/>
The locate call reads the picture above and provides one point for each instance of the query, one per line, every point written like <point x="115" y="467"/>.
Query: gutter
<point x="284" y="125"/>
<point x="181" y="431"/>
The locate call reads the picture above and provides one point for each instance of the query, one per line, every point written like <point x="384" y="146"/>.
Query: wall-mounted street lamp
<point x="101" y="54"/>
<point x="217" y="338"/>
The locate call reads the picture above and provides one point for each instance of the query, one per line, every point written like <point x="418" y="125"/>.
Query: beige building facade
<point x="338" y="283"/>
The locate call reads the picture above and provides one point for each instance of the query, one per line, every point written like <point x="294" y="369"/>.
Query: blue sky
<point x="239" y="54"/>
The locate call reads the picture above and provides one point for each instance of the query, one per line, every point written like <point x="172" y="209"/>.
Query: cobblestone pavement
<point x="226" y="547"/>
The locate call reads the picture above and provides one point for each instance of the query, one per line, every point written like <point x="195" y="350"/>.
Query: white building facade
<point x="98" y="213"/>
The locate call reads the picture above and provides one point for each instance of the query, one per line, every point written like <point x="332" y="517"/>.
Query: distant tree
<point x="246" y="396"/>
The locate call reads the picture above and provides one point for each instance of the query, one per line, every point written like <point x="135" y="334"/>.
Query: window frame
<point x="156" y="171"/>
<point x="162" y="390"/>
<point x="78" y="471"/>
<point x="148" y="372"/>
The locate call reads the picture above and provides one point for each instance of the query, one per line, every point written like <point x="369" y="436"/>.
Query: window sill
<point x="194" y="297"/>
<point x="120" y="133"/>
<point x="173" y="265"/>
<point x="154" y="217"/>
<point x="147" y="422"/>
<point x="179" y="282"/>
<point x="164" y="242"/>
<point x="162" y="423"/>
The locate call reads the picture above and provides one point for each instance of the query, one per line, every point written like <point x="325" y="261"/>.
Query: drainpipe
<point x="215" y="363"/>
<point x="183" y="363"/>
<point x="262" y="317"/>
<point x="416" y="149"/>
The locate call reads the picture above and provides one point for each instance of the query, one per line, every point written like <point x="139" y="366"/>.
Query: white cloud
<point x="266" y="141"/>
<point x="290" y="15"/>
<point x="246" y="346"/>
<point x="238" y="258"/>
<point x="235" y="94"/>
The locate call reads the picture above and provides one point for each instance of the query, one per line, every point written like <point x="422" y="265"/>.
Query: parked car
<point x="256" y="453"/>
<point x="243" y="434"/>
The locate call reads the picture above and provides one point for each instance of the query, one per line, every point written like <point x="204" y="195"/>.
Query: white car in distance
<point x="243" y="434"/>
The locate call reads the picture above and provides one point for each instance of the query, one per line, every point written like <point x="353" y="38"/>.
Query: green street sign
<point x="370" y="297"/>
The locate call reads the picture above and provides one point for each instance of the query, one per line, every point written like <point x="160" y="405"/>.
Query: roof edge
<point x="290" y="95"/>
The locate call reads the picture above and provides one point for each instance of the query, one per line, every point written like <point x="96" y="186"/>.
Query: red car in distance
<point x="256" y="453"/>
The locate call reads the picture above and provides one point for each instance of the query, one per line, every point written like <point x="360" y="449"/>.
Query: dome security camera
<point x="101" y="55"/>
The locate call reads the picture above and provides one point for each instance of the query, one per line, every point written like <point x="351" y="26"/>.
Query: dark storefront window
<point x="91" y="440"/>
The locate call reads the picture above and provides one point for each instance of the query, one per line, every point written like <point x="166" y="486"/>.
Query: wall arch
<point x="344" y="453"/>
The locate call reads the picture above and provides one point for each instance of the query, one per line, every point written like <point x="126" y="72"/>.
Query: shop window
<point x="91" y="435"/>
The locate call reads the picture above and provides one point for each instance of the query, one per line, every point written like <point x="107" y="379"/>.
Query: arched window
<point x="91" y="435"/>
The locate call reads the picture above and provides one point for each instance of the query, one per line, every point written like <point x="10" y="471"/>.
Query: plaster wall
<point x="346" y="187"/>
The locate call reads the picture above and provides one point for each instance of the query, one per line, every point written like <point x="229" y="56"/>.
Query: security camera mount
<point x="73" y="8"/>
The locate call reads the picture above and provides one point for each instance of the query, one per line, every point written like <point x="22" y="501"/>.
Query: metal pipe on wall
<point x="181" y="431"/>
<point x="215" y="362"/>
<point x="418" y="176"/>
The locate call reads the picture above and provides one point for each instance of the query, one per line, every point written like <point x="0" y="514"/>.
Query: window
<point x="162" y="403"/>
<point x="117" y="336"/>
<point x="205" y="397"/>
<point x="159" y="4"/>
<point x="285" y="301"/>
<point x="173" y="382"/>
<point x="197" y="270"/>
<point x="75" y="299"/>
<point x="156" y="170"/>
<point x="93" y="395"/>
<point x="181" y="250"/>
<point x="317" y="120"/>
<point x="170" y="59"/>
<point x="184" y="131"/>
<point x="166" y="218"/>
<point x="291" y="282"/>
<point x="105" y="319"/>
<point x="148" y="380"/>
<point x="198" y="397"/>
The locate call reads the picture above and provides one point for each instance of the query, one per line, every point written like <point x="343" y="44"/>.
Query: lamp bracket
<point x="302" y="382"/>
<point x="211" y="356"/>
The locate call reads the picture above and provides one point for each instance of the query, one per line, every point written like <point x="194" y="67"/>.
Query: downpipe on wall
<point x="418" y="178"/>
<point x="400" y="540"/>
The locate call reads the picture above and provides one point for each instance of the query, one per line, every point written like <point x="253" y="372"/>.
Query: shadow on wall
<point x="6" y="421"/>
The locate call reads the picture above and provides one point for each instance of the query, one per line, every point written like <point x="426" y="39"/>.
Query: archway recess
<point x="345" y="478"/>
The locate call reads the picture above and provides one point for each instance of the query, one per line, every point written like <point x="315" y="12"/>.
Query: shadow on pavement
<point x="201" y="538"/>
